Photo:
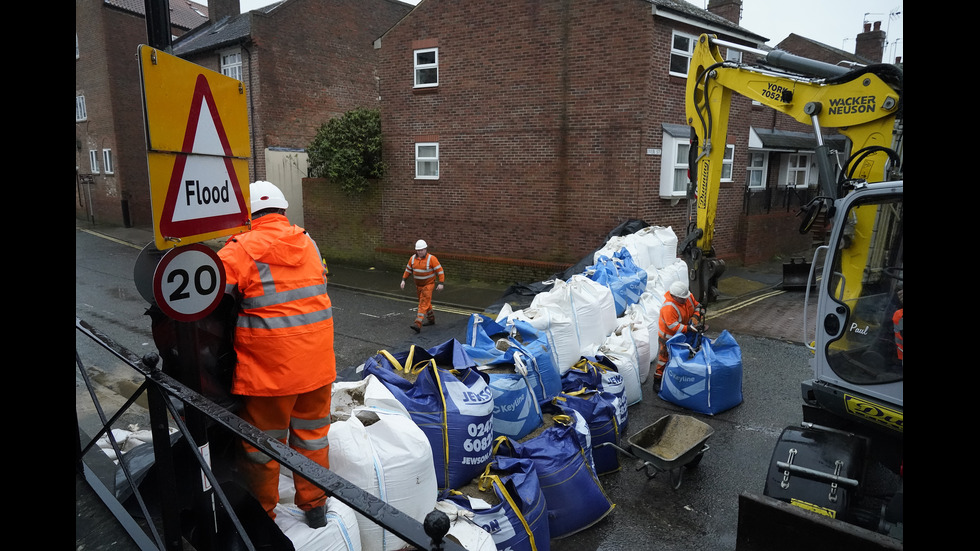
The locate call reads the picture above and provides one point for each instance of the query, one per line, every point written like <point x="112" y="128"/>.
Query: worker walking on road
<point x="681" y="312"/>
<point x="425" y="268"/>
<point x="284" y="342"/>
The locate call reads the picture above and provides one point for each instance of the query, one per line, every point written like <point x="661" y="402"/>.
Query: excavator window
<point x="867" y="285"/>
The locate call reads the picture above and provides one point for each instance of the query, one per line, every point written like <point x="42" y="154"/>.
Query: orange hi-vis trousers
<point x="305" y="420"/>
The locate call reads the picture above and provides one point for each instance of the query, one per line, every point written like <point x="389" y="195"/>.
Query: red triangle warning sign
<point x="204" y="194"/>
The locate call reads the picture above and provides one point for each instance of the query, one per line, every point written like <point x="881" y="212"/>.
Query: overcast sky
<point x="833" y="22"/>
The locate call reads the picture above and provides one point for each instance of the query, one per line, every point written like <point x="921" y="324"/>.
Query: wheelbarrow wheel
<point x="693" y="463"/>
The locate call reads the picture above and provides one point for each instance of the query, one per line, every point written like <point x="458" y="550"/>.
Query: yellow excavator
<point x="837" y="477"/>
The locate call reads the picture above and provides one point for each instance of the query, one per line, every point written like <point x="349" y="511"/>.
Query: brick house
<point x="518" y="133"/>
<point x="111" y="182"/>
<point x="303" y="62"/>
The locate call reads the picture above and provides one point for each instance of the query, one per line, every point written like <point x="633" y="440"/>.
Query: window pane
<point x="682" y="152"/>
<point x="425" y="58"/>
<point x="427" y="151"/>
<point x="678" y="64"/>
<point x="428" y="168"/>
<point x="426" y="76"/>
<point x="682" y="43"/>
<point x="680" y="180"/>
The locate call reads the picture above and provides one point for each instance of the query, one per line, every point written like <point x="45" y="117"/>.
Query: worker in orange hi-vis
<point x="425" y="269"/>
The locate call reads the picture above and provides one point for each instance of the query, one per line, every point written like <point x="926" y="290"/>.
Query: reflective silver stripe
<point x="309" y="424"/>
<point x="678" y="322"/>
<point x="312" y="445"/>
<point x="261" y="457"/>
<point x="255" y="322"/>
<point x="265" y="276"/>
<point x="282" y="297"/>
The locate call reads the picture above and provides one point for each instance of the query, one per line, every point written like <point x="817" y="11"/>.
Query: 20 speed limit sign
<point x="189" y="282"/>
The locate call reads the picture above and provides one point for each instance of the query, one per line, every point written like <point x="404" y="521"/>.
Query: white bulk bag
<point x="662" y="245"/>
<point x="387" y="455"/>
<point x="594" y="312"/>
<point x="340" y="534"/>
<point x="639" y="327"/>
<point x="621" y="350"/>
<point x="559" y="327"/>
<point x="676" y="271"/>
<point x="464" y="530"/>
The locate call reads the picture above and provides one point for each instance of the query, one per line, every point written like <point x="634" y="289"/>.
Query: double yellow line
<point x="738" y="306"/>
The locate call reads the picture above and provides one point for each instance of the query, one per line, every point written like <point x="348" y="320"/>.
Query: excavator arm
<point x="862" y="104"/>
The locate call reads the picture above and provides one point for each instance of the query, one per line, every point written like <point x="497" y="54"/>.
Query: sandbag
<point x="661" y="244"/>
<point x="516" y="413"/>
<point x="620" y="349"/>
<point x="449" y="399"/>
<point x="710" y="380"/>
<point x="571" y="488"/>
<point x="594" y="312"/>
<point x="340" y="534"/>
<point x="635" y="323"/>
<point x="387" y="455"/>
<point x="463" y="528"/>
<point x="625" y="281"/>
<point x="598" y="410"/>
<point x="518" y="520"/>
<point x="517" y="344"/>
<point x="549" y="317"/>
<point x="600" y="374"/>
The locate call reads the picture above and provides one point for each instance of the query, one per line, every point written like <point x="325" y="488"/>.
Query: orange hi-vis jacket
<point x="675" y="316"/>
<point x="284" y="333"/>
<point x="425" y="270"/>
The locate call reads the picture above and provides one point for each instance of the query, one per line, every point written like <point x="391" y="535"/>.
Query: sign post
<point x="197" y="156"/>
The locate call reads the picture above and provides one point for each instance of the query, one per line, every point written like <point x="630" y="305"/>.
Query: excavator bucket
<point x="796" y="272"/>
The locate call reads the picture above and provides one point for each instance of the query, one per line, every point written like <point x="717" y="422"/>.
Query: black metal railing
<point x="216" y="521"/>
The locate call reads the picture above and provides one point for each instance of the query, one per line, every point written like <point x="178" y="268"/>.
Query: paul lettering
<point x="859" y="331"/>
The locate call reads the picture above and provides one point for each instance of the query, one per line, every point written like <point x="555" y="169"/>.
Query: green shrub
<point x="347" y="150"/>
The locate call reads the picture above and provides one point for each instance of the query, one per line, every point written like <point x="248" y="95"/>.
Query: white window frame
<point x="231" y="63"/>
<point x="792" y="169"/>
<point x="756" y="177"/>
<point x="677" y="53"/>
<point x="674" y="169"/>
<point x="107" y="164"/>
<point x="728" y="163"/>
<point x="93" y="160"/>
<point x="425" y="68"/>
<point x="81" y="111"/>
<point x="427" y="161"/>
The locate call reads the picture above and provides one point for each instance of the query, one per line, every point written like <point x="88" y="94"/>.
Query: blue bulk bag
<point x="516" y="413"/>
<point x="482" y="334"/>
<point x="520" y="520"/>
<point x="532" y="353"/>
<point x="599" y="411"/>
<point x="709" y="380"/>
<point x="450" y="400"/>
<point x="525" y="347"/>
<point x="621" y="276"/>
<point x="600" y="374"/>
<point x="572" y="491"/>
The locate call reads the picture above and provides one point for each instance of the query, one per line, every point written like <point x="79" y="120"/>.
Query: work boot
<point x="430" y="321"/>
<point x="415" y="327"/>
<point x="316" y="517"/>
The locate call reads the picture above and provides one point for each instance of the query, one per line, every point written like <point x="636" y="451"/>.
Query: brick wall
<point x="107" y="74"/>
<point x="543" y="125"/>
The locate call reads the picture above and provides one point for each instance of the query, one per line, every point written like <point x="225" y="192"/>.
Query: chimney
<point x="729" y="9"/>
<point x="219" y="9"/>
<point x="871" y="43"/>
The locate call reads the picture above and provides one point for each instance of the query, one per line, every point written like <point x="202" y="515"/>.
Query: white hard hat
<point x="265" y="195"/>
<point x="679" y="289"/>
<point x="420" y="244"/>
